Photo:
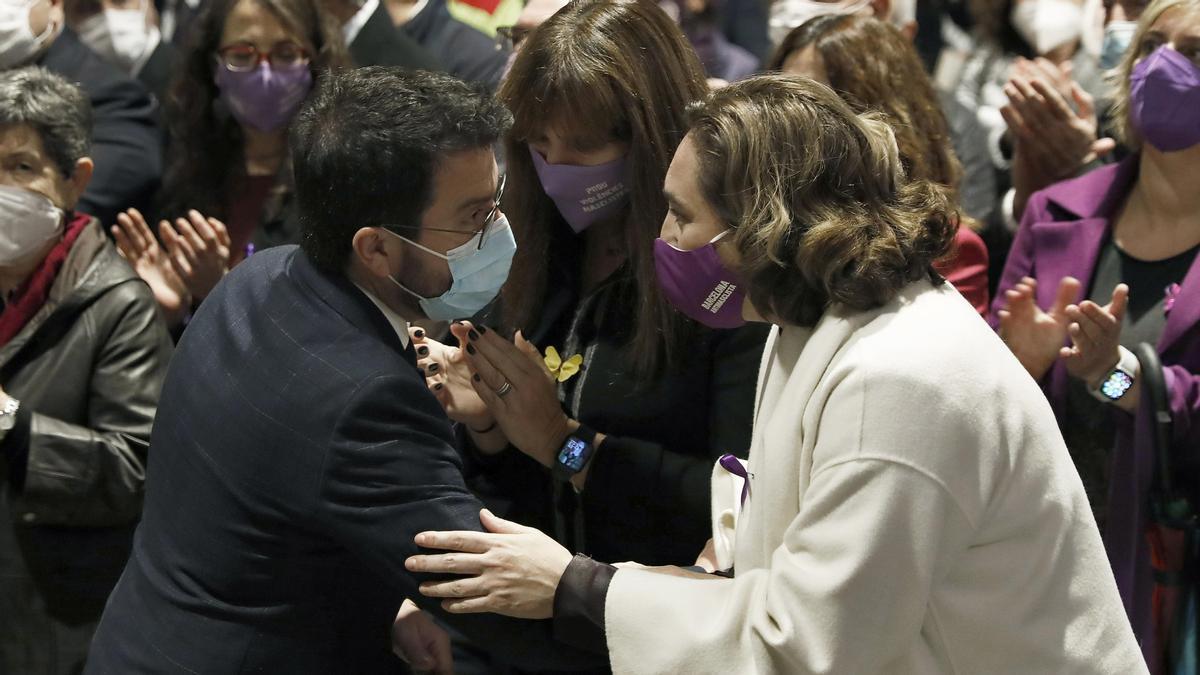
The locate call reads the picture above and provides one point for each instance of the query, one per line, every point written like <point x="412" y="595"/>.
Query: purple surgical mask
<point x="1164" y="100"/>
<point x="265" y="98"/>
<point x="584" y="195"/>
<point x="699" y="285"/>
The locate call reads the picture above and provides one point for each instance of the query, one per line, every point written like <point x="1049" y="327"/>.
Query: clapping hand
<point x="138" y="246"/>
<point x="1052" y="140"/>
<point x="1095" y="337"/>
<point x="449" y="378"/>
<point x="198" y="248"/>
<point x="514" y="382"/>
<point x="1036" y="336"/>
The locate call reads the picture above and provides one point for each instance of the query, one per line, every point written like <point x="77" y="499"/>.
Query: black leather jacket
<point x="87" y="370"/>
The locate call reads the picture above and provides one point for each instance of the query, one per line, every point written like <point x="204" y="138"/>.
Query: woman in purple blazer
<point x="1109" y="260"/>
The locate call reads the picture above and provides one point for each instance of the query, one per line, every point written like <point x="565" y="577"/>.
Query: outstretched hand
<point x="136" y="243"/>
<point x="511" y="569"/>
<point x="1034" y="335"/>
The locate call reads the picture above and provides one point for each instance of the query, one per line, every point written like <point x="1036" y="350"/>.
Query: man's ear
<point x="369" y="246"/>
<point x="79" y="180"/>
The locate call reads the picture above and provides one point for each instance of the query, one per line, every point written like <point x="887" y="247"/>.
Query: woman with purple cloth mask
<point x="605" y="433"/>
<point x="247" y="69"/>
<point x="1109" y="260"/>
<point x="908" y="506"/>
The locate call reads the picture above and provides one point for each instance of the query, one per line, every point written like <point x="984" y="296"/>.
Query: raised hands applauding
<point x="183" y="270"/>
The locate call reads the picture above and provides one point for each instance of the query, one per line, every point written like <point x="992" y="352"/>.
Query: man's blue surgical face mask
<point x="1117" y="37"/>
<point x="478" y="272"/>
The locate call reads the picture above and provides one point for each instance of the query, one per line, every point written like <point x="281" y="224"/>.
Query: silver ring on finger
<point x="504" y="389"/>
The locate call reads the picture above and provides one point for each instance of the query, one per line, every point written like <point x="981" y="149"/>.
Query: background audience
<point x="228" y="179"/>
<point x="126" y="141"/>
<point x="1109" y="260"/>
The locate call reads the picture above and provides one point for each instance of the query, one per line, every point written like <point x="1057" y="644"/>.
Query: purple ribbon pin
<point x="1172" y="293"/>
<point x="734" y="466"/>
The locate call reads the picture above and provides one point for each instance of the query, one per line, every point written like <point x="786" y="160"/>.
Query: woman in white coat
<point x="909" y="504"/>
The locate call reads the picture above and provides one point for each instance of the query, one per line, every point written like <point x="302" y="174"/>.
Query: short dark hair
<point x="56" y="109"/>
<point x="366" y="145"/>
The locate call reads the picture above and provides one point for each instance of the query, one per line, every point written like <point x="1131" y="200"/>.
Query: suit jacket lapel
<point x="1069" y="248"/>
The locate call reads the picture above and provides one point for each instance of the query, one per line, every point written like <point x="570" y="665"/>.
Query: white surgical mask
<point x="28" y="221"/>
<point x="1047" y="24"/>
<point x="787" y="14"/>
<point x="18" y="44"/>
<point x="119" y="35"/>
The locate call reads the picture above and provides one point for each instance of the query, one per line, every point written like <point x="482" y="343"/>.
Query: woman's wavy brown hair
<point x="601" y="71"/>
<point x="874" y="67"/>
<point x="205" y="150"/>
<point x="817" y="198"/>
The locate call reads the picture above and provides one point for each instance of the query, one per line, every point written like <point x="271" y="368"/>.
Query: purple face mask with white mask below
<point x="584" y="195"/>
<point x="265" y="98"/>
<point x="698" y="284"/>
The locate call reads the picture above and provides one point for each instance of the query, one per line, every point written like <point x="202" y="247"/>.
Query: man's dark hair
<point x="54" y="108"/>
<point x="366" y="145"/>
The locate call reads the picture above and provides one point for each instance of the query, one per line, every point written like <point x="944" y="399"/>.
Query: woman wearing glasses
<point x="246" y="71"/>
<point x="642" y="400"/>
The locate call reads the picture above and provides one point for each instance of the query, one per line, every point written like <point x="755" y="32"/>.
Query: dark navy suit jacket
<point x="296" y="453"/>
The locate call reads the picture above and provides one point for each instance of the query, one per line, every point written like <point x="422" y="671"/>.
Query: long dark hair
<point x="205" y="150"/>
<point x="607" y="70"/>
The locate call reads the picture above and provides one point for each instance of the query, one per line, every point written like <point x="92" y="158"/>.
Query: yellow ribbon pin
<point x="562" y="370"/>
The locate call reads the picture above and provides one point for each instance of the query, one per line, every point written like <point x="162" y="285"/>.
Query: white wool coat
<point x="913" y="509"/>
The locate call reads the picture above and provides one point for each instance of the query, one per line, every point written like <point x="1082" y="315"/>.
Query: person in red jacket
<point x="873" y="66"/>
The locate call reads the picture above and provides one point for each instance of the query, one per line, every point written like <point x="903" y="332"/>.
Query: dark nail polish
<point x="482" y="329"/>
<point x="422" y="351"/>
<point x="471" y="349"/>
<point x="433" y="367"/>
<point x="438" y="386"/>
<point x="476" y="377"/>
<point x="419" y="333"/>
<point x="473" y="335"/>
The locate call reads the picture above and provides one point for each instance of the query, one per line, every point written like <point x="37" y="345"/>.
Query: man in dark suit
<point x="373" y="39"/>
<point x="126" y="141"/>
<point x="297" y="450"/>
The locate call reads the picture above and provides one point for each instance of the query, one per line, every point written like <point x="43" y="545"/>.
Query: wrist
<point x="561" y="432"/>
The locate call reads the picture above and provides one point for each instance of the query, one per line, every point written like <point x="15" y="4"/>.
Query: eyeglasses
<point x="481" y="233"/>
<point x="511" y="37"/>
<point x="243" y="56"/>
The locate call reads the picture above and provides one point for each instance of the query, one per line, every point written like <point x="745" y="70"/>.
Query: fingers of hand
<point x="487" y="379"/>
<point x="189" y="241"/>
<point x="457" y="588"/>
<point x="464" y="541"/>
<point x="1055" y="104"/>
<point x="1068" y="291"/>
<point x="445" y="563"/>
<point x="493" y="523"/>
<point x="504" y="356"/>
<point x="472" y="605"/>
<point x="1120" y="300"/>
